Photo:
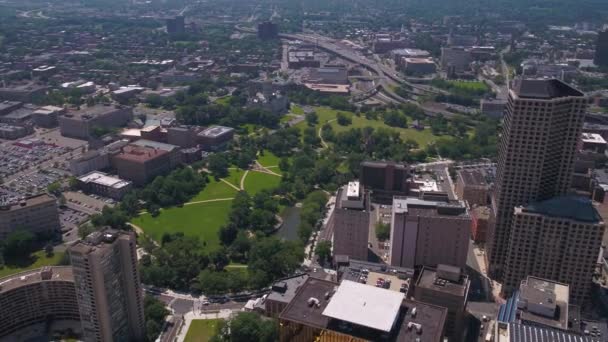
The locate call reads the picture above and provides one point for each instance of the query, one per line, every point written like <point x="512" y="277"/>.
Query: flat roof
<point x="538" y="297"/>
<point x="428" y="279"/>
<point x="300" y="311"/>
<point x="543" y="89"/>
<point x="329" y="88"/>
<point x="215" y="131"/>
<point x="515" y="332"/>
<point x="58" y="273"/>
<point x="352" y="189"/>
<point x="154" y="145"/>
<point x="571" y="207"/>
<point x="416" y="206"/>
<point x="139" y="153"/>
<point x="593" y="138"/>
<point x="284" y="290"/>
<point x="94" y="111"/>
<point x="27" y="202"/>
<point x="104" y="179"/>
<point x="473" y="177"/>
<point x="365" y="305"/>
<point x="384" y="164"/>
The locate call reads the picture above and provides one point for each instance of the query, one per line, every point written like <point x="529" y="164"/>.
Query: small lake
<point x="291" y="222"/>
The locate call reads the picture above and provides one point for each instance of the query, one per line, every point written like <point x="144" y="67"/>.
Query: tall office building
<point x="601" y="49"/>
<point x="542" y="124"/>
<point x="268" y="30"/>
<point x="350" y="221"/>
<point x="385" y="180"/>
<point x="557" y="239"/>
<point x="176" y="25"/>
<point x="108" y="288"/>
<point x="428" y="233"/>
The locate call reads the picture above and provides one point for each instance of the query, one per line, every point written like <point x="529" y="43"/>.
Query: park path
<point x="243" y="179"/>
<point x="323" y="143"/>
<point x="210" y="200"/>
<point x="230" y="184"/>
<point x="264" y="169"/>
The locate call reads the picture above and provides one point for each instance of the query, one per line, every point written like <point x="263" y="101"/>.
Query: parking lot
<point x="17" y="158"/>
<point x="86" y="203"/>
<point x="34" y="183"/>
<point x="70" y="220"/>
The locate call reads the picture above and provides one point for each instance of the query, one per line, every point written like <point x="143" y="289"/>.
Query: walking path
<point x="231" y="185"/>
<point x="323" y="143"/>
<point x="243" y="179"/>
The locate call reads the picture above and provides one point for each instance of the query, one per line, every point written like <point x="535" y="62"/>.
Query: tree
<point x="219" y="259"/>
<point x="323" y="251"/>
<point x="312" y="119"/>
<point x="383" y="231"/>
<point x="218" y="164"/>
<point x="19" y="245"/>
<point x="343" y="120"/>
<point x="284" y="164"/>
<point x="54" y="188"/>
<point x="272" y="258"/>
<point x="154" y="315"/>
<point x="247" y="327"/>
<point x="48" y="250"/>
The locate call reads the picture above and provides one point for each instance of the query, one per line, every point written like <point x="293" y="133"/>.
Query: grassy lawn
<point x="258" y="181"/>
<point x="235" y="176"/>
<point x="201" y="330"/>
<point x="39" y="259"/>
<point x="268" y="159"/>
<point x="202" y="220"/>
<point x="476" y="86"/>
<point x="296" y="109"/>
<point x="327" y="114"/>
<point x="223" y="100"/>
<point x="287" y="117"/>
<point x="215" y="189"/>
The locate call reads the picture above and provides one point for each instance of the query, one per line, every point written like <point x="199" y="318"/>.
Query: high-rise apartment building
<point x="108" y="288"/>
<point x="601" y="49"/>
<point x="351" y="221"/>
<point x="542" y="124"/>
<point x="428" y="233"/>
<point x="557" y="239"/>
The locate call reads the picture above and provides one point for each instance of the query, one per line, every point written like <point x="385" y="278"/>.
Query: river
<point x="291" y="222"/>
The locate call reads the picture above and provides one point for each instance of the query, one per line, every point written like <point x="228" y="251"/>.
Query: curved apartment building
<point x="37" y="296"/>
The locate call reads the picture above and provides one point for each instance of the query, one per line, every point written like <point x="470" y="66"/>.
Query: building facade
<point x="471" y="186"/>
<point x="108" y="288"/>
<point x="83" y="124"/>
<point x="37" y="214"/>
<point x="351" y="221"/>
<point x="141" y="164"/>
<point x="428" y="233"/>
<point x="601" y="49"/>
<point x="105" y="185"/>
<point x="542" y="125"/>
<point x="557" y="239"/>
<point x="385" y="179"/>
<point x="37" y="296"/>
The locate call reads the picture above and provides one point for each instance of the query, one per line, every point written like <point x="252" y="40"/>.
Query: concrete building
<point x="419" y="66"/>
<point x="282" y="293"/>
<point x="542" y="125"/>
<point x="102" y="184"/>
<point x="13" y="132"/>
<point x="601" y="49"/>
<point x="457" y="58"/>
<point x="40" y="296"/>
<point x="593" y="142"/>
<point x="472" y="186"/>
<point x="91" y="160"/>
<point x="37" y="214"/>
<point x="268" y="30"/>
<point x="384" y="43"/>
<point x="538" y="302"/>
<point x="351" y="221"/>
<point x="9" y="106"/>
<point x="83" y="123"/>
<point x="557" y="239"/>
<point x="302" y="58"/>
<point x="141" y="164"/>
<point x="215" y="138"/>
<point x="322" y="310"/>
<point x="181" y="136"/>
<point x="479" y="226"/>
<point x="108" y="288"/>
<point x="172" y="150"/>
<point x="176" y="25"/>
<point x="428" y="233"/>
<point x="446" y="286"/>
<point x="516" y="332"/>
<point x="23" y="93"/>
<point x="47" y="116"/>
<point x="385" y="179"/>
<point x="328" y="75"/>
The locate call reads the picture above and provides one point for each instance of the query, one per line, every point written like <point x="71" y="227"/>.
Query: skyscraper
<point x="108" y="288"/>
<point x="176" y="25"/>
<point x="542" y="124"/>
<point x="557" y="239"/>
<point x="601" y="49"/>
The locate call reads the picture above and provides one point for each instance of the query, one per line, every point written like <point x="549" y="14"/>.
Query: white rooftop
<point x="365" y="305"/>
<point x="352" y="191"/>
<point x="103" y="179"/>
<point x="593" y="138"/>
